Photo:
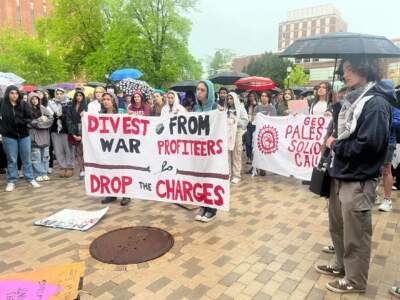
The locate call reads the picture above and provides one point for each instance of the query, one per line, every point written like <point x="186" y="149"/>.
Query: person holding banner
<point x="205" y="102"/>
<point x="110" y="106"/>
<point x="172" y="107"/>
<point x="358" y="155"/>
<point x="237" y="122"/>
<point x="158" y="104"/>
<point x="94" y="106"/>
<point x="138" y="105"/>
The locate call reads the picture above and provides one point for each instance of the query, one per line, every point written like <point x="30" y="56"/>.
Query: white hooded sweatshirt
<point x="176" y="107"/>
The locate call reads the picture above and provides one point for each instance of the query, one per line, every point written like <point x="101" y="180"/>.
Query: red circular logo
<point x="267" y="140"/>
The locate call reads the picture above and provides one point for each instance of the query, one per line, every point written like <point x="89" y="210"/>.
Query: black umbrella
<point x="185" y="86"/>
<point x="95" y="84"/>
<point x="275" y="91"/>
<point x="342" y="44"/>
<point x="227" y="77"/>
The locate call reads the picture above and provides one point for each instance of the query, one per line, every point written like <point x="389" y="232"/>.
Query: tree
<point x="220" y="61"/>
<point x="297" y="77"/>
<point x="269" y="65"/>
<point x="29" y="58"/>
<point x="164" y="33"/>
<point x="76" y="28"/>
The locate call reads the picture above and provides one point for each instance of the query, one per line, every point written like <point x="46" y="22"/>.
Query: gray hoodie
<point x="39" y="127"/>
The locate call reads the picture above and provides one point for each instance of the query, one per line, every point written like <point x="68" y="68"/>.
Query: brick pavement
<point x="264" y="248"/>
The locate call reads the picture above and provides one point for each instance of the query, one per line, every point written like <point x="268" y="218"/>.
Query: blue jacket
<point x="210" y="105"/>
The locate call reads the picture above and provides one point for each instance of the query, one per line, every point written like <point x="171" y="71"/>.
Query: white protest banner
<point x="73" y="219"/>
<point x="289" y="146"/>
<point x="177" y="159"/>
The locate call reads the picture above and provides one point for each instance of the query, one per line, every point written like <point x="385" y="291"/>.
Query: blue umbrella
<point x="126" y="73"/>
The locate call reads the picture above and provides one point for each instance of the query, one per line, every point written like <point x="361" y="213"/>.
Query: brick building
<point x="306" y="22"/>
<point x="310" y="21"/>
<point x="22" y="13"/>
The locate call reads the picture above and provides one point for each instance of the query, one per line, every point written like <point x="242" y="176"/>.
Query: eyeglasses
<point x="59" y="93"/>
<point x="202" y="89"/>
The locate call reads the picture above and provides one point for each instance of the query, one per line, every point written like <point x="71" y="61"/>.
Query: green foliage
<point x="29" y="58"/>
<point x="164" y="32"/>
<point x="269" y="65"/>
<point x="220" y="61"/>
<point x="89" y="39"/>
<point x="297" y="77"/>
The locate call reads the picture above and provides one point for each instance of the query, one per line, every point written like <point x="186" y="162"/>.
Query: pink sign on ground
<point x="26" y="290"/>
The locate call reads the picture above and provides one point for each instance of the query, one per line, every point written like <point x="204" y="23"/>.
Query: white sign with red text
<point x="177" y="159"/>
<point x="290" y="145"/>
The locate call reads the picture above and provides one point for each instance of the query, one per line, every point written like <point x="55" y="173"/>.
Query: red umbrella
<point x="255" y="83"/>
<point x="27" y="88"/>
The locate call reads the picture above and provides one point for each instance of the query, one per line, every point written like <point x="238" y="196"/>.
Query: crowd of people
<point x="360" y="145"/>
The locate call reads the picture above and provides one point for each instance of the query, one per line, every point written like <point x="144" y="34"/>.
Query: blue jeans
<point x="249" y="140"/>
<point x="12" y="147"/>
<point x="40" y="161"/>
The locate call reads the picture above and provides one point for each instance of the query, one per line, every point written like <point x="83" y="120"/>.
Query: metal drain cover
<point x="131" y="245"/>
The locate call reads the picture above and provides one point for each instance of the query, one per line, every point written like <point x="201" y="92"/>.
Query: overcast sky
<point x="251" y="26"/>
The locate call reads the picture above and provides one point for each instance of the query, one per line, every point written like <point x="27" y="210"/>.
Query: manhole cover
<point x="132" y="245"/>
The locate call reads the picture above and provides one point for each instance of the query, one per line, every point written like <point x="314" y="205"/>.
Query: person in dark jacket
<point x="59" y="134"/>
<point x="15" y="116"/>
<point x="205" y="102"/>
<point x="74" y="124"/>
<point x="358" y="154"/>
<point x="109" y="105"/>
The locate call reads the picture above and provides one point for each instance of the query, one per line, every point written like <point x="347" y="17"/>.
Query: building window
<point x="32" y="9"/>
<point x="297" y="60"/>
<point x="18" y="12"/>
<point x="44" y="8"/>
<point x="315" y="60"/>
<point x="306" y="60"/>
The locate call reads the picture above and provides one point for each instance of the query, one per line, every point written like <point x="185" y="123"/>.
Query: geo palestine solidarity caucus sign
<point x="176" y="159"/>
<point x="289" y="146"/>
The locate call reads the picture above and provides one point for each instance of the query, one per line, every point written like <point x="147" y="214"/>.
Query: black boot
<point x="108" y="200"/>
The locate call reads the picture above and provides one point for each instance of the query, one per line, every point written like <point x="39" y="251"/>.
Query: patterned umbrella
<point x="128" y="86"/>
<point x="11" y="78"/>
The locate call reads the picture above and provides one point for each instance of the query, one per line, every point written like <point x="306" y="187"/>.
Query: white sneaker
<point x="35" y="184"/>
<point x="235" y="180"/>
<point x="10" y="187"/>
<point x="386" y="205"/>
<point x="394" y="188"/>
<point x="50" y="170"/>
<point x="378" y="200"/>
<point x="46" y="178"/>
<point x="39" y="179"/>
<point x="200" y="214"/>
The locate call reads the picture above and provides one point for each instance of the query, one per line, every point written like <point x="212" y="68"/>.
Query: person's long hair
<point x="82" y="105"/>
<point x="35" y="109"/>
<point x="293" y="97"/>
<point x="328" y="96"/>
<point x="248" y="100"/>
